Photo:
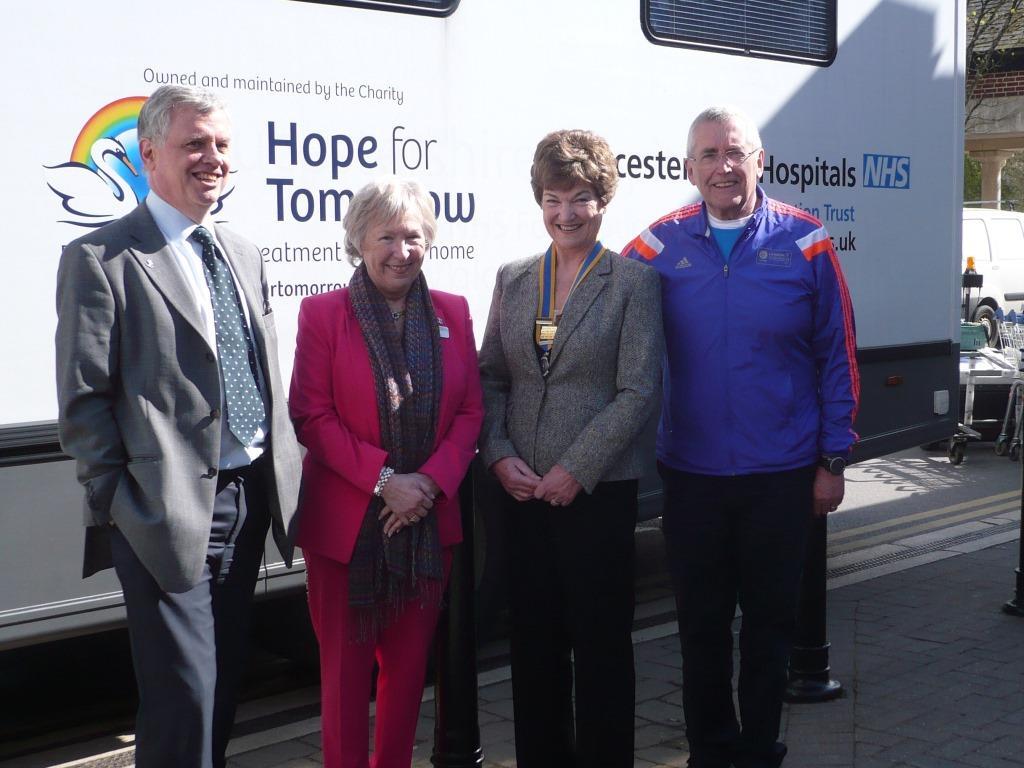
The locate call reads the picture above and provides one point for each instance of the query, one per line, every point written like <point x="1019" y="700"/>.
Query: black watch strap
<point x="834" y="464"/>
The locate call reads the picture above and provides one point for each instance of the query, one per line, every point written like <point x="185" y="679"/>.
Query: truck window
<point x="422" y="7"/>
<point x="975" y="240"/>
<point x="1007" y="238"/>
<point x="792" y="30"/>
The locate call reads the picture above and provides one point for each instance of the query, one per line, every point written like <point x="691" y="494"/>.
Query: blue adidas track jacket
<point x="761" y="371"/>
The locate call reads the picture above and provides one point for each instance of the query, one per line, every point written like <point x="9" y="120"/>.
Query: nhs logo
<point x="889" y="171"/>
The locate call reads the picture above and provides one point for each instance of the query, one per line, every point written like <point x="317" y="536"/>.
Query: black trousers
<point x="189" y="648"/>
<point x="571" y="592"/>
<point x="730" y="539"/>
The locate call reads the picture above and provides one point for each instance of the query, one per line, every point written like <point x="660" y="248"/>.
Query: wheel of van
<point x="987" y="317"/>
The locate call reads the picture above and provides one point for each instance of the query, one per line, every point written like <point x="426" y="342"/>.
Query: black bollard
<point x="809" y="672"/>
<point x="1015" y="607"/>
<point x="456" y="728"/>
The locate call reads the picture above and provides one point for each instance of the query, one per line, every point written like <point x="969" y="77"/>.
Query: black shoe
<point x="772" y="758"/>
<point x="713" y="760"/>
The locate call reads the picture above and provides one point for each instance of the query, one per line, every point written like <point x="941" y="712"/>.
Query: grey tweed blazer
<point x="603" y="380"/>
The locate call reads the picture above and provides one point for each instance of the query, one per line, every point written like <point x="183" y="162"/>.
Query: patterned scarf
<point x="385" y="573"/>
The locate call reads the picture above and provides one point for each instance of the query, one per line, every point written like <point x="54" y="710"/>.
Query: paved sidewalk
<point x="933" y="674"/>
<point x="933" y="671"/>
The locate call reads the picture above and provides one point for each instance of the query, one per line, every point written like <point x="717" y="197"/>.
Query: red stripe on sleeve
<point x="851" y="340"/>
<point x="819" y="247"/>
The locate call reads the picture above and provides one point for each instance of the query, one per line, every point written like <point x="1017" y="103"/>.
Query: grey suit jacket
<point x="137" y="387"/>
<point x="603" y="380"/>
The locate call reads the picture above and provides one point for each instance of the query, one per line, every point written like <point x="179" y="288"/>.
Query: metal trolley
<point x="1011" y="339"/>
<point x="980" y="364"/>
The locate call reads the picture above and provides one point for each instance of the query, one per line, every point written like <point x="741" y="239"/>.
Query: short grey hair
<point x="155" y="117"/>
<point x="382" y="201"/>
<point x="723" y="115"/>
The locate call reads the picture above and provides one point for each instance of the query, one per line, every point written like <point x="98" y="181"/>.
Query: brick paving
<point x="933" y="675"/>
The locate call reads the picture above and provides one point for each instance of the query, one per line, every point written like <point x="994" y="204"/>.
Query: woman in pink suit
<point x="385" y="396"/>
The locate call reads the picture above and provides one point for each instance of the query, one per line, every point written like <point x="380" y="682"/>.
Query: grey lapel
<point x="152" y="252"/>
<point x="579" y="302"/>
<point x="523" y="301"/>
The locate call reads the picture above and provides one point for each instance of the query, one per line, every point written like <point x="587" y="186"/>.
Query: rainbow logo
<point x="117" y="120"/>
<point x="104" y="180"/>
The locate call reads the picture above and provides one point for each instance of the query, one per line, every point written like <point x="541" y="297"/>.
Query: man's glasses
<point x="734" y="157"/>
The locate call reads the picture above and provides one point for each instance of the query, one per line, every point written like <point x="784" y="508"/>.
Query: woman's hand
<point x="432" y="488"/>
<point x="558" y="488"/>
<point x="516" y="477"/>
<point x="404" y="494"/>
<point x="407" y="501"/>
<point x="396" y="522"/>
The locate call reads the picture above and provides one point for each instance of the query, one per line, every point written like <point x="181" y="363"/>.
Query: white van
<point x="326" y="95"/>
<point x="995" y="239"/>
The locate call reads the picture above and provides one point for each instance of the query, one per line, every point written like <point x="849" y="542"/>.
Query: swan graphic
<point x="97" y="193"/>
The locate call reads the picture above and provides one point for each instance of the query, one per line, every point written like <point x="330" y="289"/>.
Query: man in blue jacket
<point x="760" y="394"/>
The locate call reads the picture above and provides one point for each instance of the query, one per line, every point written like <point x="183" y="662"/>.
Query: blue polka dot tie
<point x="235" y="350"/>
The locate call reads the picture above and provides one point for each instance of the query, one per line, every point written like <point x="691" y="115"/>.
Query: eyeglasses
<point x="734" y="157"/>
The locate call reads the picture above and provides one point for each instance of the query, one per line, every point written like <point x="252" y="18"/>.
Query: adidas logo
<point x="683" y="263"/>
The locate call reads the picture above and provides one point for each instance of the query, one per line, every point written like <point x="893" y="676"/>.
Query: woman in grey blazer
<point x="570" y="365"/>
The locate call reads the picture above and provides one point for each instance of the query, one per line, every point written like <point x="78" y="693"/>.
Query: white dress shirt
<point x="177" y="229"/>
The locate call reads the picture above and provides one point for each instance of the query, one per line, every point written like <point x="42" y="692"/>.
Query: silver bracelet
<point x="382" y="480"/>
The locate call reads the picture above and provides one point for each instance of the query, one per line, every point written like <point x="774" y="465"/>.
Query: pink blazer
<point x="334" y="408"/>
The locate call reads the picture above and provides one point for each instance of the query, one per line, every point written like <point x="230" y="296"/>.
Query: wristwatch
<point x="834" y="464"/>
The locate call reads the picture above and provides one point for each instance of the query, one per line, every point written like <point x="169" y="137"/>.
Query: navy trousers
<point x="189" y="648"/>
<point x="736" y="539"/>
<point x="571" y="594"/>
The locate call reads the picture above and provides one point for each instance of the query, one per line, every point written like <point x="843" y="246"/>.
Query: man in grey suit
<point x="172" y="404"/>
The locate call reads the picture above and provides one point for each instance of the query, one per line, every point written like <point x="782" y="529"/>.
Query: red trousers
<point x="346" y="671"/>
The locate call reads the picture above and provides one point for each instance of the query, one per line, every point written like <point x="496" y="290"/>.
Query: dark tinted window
<point x="801" y="30"/>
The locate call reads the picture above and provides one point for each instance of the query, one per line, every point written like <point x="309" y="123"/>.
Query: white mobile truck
<point x="860" y="103"/>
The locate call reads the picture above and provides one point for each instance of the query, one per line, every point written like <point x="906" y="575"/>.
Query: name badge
<point x="769" y="258"/>
<point x="442" y="329"/>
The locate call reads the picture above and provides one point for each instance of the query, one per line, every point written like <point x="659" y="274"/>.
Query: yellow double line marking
<point x="934" y="518"/>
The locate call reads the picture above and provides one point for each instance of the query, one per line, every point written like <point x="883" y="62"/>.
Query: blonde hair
<point x="384" y="200"/>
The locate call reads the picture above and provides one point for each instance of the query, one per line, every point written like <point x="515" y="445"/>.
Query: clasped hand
<point x="557" y="487"/>
<point x="408" y="499"/>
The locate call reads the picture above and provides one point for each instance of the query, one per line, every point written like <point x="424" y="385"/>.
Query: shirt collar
<point x="172" y="223"/>
<point x="755" y="217"/>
